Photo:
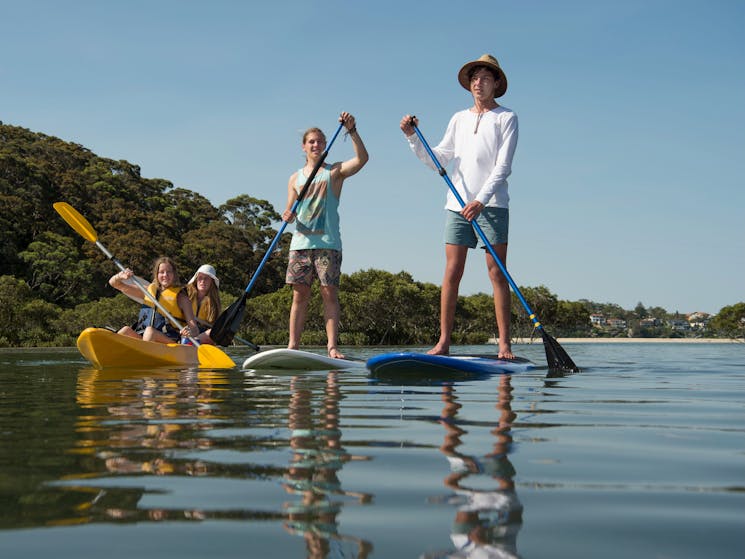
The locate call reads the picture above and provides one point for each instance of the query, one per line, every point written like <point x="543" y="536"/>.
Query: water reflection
<point x="135" y="422"/>
<point x="313" y="473"/>
<point x="220" y="447"/>
<point x="148" y="412"/>
<point x="488" y="513"/>
<point x="136" y="432"/>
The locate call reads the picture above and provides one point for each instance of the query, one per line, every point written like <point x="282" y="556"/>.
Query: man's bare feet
<point x="335" y="353"/>
<point x="439" y="349"/>
<point x="505" y="352"/>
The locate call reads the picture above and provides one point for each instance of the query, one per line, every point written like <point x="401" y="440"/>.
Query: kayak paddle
<point x="209" y="356"/>
<point x="558" y="359"/>
<point x="229" y="321"/>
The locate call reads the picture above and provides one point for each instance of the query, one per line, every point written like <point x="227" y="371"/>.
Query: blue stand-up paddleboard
<point x="422" y="364"/>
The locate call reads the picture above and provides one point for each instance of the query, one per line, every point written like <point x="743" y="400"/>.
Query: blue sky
<point x="628" y="183"/>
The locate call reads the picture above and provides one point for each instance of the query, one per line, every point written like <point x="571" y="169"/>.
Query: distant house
<point x="698" y="320"/>
<point x="679" y="325"/>
<point x="616" y="323"/>
<point x="650" y="322"/>
<point x="597" y="319"/>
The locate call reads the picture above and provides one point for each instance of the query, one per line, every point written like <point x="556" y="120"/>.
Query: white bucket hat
<point x="207" y="270"/>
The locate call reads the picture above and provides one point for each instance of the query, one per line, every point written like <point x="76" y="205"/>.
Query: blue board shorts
<point x="494" y="222"/>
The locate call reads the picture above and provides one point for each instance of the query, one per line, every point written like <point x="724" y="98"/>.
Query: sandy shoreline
<point x="636" y="341"/>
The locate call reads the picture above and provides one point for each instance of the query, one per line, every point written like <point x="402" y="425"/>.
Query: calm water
<point x="640" y="455"/>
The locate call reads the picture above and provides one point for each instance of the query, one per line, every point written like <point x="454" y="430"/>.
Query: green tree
<point x="572" y="320"/>
<point x="22" y="190"/>
<point x="224" y="247"/>
<point x="186" y="210"/>
<point x="475" y="318"/>
<point x="250" y="220"/>
<point x="57" y="271"/>
<point x="266" y="317"/>
<point x="112" y="312"/>
<point x="640" y="311"/>
<point x="253" y="217"/>
<point x="658" y="313"/>
<point x="14" y="294"/>
<point x="37" y="328"/>
<point x="544" y="305"/>
<point x="730" y="321"/>
<point x="388" y="308"/>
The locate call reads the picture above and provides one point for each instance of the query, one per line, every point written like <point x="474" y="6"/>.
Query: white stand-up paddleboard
<point x="295" y="359"/>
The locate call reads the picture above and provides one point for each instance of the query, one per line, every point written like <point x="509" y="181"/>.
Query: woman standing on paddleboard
<point x="315" y="250"/>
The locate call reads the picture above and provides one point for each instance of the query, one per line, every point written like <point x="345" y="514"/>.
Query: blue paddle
<point x="229" y="321"/>
<point x="557" y="357"/>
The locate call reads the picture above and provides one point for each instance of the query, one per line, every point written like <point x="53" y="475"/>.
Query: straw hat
<point x="207" y="270"/>
<point x="490" y="62"/>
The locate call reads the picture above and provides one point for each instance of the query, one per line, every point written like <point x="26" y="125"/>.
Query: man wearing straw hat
<point x="480" y="142"/>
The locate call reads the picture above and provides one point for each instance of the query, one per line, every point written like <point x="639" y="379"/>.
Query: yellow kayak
<point x="104" y="348"/>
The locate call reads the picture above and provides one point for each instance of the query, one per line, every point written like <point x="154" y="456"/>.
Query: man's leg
<point x="502" y="299"/>
<point x="455" y="262"/>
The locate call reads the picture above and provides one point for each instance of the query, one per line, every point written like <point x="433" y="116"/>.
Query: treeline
<point x="53" y="283"/>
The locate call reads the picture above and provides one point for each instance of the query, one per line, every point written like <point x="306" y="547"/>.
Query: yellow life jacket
<point x="202" y="312"/>
<point x="168" y="298"/>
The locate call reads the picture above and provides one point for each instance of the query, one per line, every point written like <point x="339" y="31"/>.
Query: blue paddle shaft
<point x="477" y="227"/>
<point x="300" y="196"/>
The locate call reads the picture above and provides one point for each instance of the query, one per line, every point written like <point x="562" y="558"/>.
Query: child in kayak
<point x="166" y="288"/>
<point x="203" y="291"/>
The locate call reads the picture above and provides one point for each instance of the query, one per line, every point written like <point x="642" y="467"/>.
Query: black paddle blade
<point x="558" y="359"/>
<point x="227" y="324"/>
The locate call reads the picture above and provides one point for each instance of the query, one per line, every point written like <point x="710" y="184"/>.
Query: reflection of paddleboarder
<point x="487" y="520"/>
<point x="318" y="456"/>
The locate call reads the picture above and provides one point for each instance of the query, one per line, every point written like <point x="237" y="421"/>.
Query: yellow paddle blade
<point x="212" y="357"/>
<point x="76" y="221"/>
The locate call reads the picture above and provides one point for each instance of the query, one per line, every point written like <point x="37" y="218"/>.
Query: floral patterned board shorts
<point x="307" y="264"/>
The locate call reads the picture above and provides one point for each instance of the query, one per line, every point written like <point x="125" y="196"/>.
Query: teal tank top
<point x="317" y="219"/>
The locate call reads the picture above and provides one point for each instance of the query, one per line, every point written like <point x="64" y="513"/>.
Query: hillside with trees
<point x="53" y="283"/>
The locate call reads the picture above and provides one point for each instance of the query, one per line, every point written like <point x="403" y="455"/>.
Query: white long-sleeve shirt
<point x="482" y="161"/>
